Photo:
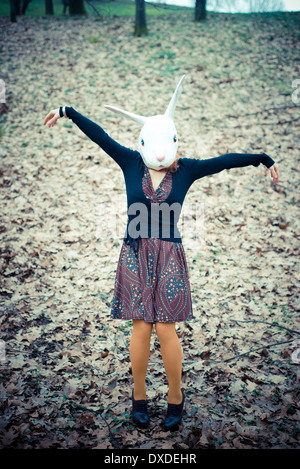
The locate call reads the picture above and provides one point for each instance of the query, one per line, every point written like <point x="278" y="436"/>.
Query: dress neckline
<point x="158" y="187"/>
<point x="154" y="197"/>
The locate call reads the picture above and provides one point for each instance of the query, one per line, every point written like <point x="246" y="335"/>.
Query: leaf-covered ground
<point x="66" y="381"/>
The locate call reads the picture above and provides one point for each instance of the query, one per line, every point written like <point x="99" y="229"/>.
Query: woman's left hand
<point x="274" y="173"/>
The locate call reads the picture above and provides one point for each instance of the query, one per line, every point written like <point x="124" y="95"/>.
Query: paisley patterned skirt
<point x="153" y="283"/>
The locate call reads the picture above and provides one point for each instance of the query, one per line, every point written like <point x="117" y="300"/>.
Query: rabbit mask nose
<point x="160" y="158"/>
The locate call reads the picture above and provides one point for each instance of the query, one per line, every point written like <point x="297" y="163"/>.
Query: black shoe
<point x="140" y="413"/>
<point x="174" y="415"/>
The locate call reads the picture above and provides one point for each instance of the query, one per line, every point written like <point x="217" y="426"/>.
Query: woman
<point x="152" y="282"/>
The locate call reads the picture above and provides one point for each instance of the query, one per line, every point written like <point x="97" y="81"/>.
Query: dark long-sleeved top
<point x="146" y="219"/>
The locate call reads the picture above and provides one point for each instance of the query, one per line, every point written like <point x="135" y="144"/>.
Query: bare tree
<point x="49" y="7"/>
<point x="13" y="10"/>
<point x="140" y="18"/>
<point x="17" y="9"/>
<point x="200" y="10"/>
<point x="76" y="7"/>
<point x="65" y="5"/>
<point x="24" y="6"/>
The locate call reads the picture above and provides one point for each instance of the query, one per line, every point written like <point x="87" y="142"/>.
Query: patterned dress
<point x="153" y="283"/>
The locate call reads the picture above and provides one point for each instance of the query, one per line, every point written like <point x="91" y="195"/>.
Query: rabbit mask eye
<point x="174" y="139"/>
<point x="142" y="143"/>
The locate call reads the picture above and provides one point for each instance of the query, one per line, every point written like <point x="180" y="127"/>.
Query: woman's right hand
<point x="52" y="117"/>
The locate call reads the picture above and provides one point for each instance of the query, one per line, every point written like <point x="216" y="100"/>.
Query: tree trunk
<point x="24" y="6"/>
<point x="65" y="5"/>
<point x="49" y="7"/>
<point x="13" y="11"/>
<point x="200" y="10"/>
<point x="76" y="7"/>
<point x="140" y="18"/>
<point x="18" y="7"/>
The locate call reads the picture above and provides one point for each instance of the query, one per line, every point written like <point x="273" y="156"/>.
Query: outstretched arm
<point x="92" y="130"/>
<point x="201" y="168"/>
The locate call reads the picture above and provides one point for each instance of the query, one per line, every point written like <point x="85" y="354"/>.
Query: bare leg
<point x="139" y="355"/>
<point x="172" y="358"/>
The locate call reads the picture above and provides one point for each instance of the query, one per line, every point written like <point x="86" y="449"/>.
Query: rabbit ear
<point x="171" y="108"/>
<point x="139" y="119"/>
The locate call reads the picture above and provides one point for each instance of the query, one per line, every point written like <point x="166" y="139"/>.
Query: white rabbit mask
<point x="158" y="141"/>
